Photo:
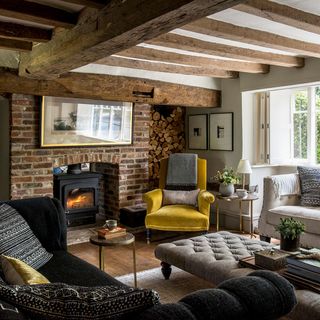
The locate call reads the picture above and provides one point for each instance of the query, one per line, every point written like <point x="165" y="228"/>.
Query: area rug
<point x="180" y="283"/>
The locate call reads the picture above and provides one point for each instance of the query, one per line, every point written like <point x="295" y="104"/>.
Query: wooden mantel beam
<point x="108" y="87"/>
<point x="195" y="45"/>
<point x="283" y="14"/>
<point x="116" y="27"/>
<point x="246" y="35"/>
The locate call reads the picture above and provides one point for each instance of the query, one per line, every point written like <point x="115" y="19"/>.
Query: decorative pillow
<point x="62" y="301"/>
<point x="17" y="239"/>
<point x="180" y="197"/>
<point x="310" y="186"/>
<point x="18" y="272"/>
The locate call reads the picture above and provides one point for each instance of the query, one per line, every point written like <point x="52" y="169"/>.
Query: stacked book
<point x="308" y="269"/>
<point x="110" y="234"/>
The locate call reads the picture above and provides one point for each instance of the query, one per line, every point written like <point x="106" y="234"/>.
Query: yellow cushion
<point x="18" y="272"/>
<point x="177" y="218"/>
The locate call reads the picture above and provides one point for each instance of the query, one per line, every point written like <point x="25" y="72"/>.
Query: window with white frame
<point x="289" y="129"/>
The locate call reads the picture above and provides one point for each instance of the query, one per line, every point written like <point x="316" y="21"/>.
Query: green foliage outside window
<point x="300" y="125"/>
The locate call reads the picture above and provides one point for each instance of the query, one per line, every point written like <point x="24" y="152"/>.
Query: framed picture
<point x="221" y="131"/>
<point x="197" y="131"/>
<point x="68" y="122"/>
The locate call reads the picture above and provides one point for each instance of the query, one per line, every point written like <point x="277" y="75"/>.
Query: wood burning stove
<point x="79" y="194"/>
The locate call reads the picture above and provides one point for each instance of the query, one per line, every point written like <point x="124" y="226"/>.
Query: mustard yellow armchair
<point x="178" y="217"/>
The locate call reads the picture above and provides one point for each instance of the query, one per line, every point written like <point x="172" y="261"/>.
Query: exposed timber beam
<point x="98" y="4"/>
<point x="283" y="14"/>
<point x="246" y="35"/>
<point x="114" y="28"/>
<point x="14" y="30"/>
<point x="39" y="13"/>
<point x="191" y="44"/>
<point x="17" y="45"/>
<point x="108" y="87"/>
<point x="172" y="57"/>
<point x="117" y="61"/>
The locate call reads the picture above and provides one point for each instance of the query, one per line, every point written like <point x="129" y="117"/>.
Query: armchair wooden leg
<point x="265" y="238"/>
<point x="166" y="270"/>
<point x="148" y="232"/>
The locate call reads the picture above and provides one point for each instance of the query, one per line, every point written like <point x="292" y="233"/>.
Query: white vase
<point x="226" y="190"/>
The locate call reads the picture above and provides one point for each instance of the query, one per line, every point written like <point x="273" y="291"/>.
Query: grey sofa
<point x="281" y="199"/>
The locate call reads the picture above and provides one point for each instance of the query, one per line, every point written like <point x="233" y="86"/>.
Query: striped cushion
<point x="18" y="241"/>
<point x="310" y="186"/>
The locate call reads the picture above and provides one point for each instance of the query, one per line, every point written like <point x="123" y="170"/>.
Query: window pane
<point x="317" y="98"/>
<point x="301" y="100"/>
<point x="300" y="137"/>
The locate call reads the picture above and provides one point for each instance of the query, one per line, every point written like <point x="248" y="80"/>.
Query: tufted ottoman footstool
<point x="213" y="257"/>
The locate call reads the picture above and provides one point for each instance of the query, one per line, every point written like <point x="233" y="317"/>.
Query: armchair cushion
<point x="177" y="217"/>
<point x="180" y="197"/>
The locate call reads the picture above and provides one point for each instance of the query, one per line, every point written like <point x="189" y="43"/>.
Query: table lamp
<point x="244" y="168"/>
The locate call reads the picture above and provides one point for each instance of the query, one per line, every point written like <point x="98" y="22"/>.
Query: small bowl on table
<point x="241" y="193"/>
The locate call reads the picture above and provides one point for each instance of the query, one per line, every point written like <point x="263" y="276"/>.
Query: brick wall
<point x="125" y="168"/>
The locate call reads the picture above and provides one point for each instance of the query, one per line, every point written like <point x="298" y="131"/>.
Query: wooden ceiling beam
<point x="14" y="30"/>
<point x="16" y="45"/>
<point x="184" y="59"/>
<point x="39" y="13"/>
<point x="256" y="37"/>
<point x="118" y="26"/>
<point x="167" y="68"/>
<point x="195" y="45"/>
<point x="98" y="4"/>
<point x="116" y="88"/>
<point x="283" y="14"/>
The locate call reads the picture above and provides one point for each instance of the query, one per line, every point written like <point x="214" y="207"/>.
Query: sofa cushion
<point x="180" y="197"/>
<point x="17" y="239"/>
<point x="62" y="301"/>
<point x="18" y="272"/>
<point x="310" y="186"/>
<point x="46" y="218"/>
<point x="67" y="268"/>
<point x="309" y="216"/>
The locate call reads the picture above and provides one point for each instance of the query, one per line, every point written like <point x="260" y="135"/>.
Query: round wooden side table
<point x="124" y="240"/>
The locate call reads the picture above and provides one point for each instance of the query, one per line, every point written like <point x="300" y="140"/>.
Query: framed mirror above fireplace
<point x="69" y="122"/>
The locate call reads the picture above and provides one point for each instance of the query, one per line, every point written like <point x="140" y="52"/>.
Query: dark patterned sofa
<point x="261" y="295"/>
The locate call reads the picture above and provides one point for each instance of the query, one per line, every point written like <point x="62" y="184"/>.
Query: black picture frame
<point x="198" y="131"/>
<point x="221" y="131"/>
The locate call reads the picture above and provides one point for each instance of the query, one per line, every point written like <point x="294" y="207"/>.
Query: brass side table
<point x="125" y="240"/>
<point x="249" y="199"/>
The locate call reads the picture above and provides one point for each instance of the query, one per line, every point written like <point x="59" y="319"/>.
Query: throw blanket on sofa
<point x="182" y="171"/>
<point x="286" y="184"/>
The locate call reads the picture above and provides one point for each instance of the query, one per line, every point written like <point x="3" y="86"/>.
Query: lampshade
<point x="244" y="166"/>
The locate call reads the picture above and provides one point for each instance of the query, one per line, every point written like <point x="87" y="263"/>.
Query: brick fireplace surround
<point x="124" y="168"/>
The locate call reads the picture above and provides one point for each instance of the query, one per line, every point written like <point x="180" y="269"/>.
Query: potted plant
<point x="290" y="230"/>
<point x="227" y="178"/>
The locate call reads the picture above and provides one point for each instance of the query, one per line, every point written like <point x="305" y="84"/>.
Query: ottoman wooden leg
<point x="166" y="270"/>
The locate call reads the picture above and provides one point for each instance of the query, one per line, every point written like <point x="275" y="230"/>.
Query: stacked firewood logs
<point x="166" y="136"/>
